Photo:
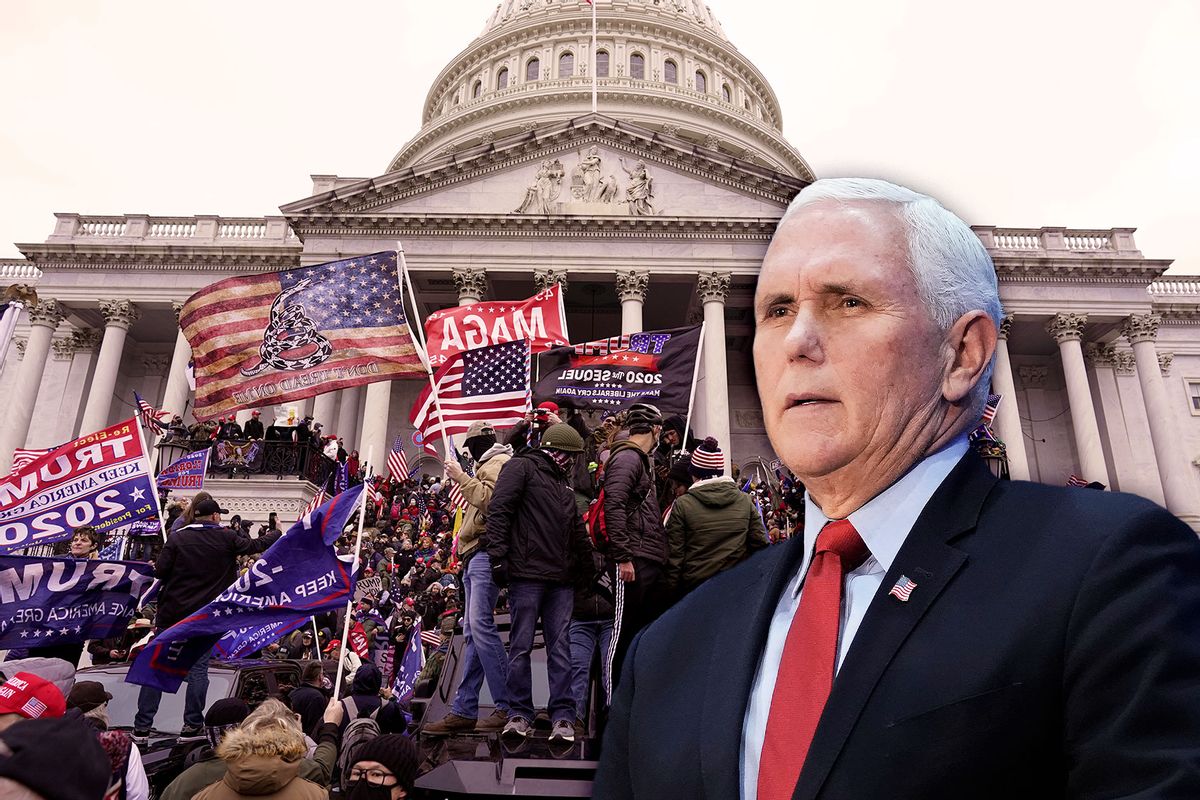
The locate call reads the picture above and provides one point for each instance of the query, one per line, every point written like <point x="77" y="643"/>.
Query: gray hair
<point x="953" y="272"/>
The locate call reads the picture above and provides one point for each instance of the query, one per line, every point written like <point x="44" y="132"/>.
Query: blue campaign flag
<point x="67" y="600"/>
<point x="298" y="576"/>
<point x="186" y="472"/>
<point x="410" y="666"/>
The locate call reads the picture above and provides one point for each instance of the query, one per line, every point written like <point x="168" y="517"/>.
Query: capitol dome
<point x="663" y="65"/>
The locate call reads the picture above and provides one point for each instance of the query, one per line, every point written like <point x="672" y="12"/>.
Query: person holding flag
<point x="484" y="653"/>
<point x="196" y="564"/>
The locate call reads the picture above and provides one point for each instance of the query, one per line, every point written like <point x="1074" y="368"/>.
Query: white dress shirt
<point x="883" y="523"/>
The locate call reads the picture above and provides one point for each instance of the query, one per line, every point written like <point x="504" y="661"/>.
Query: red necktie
<point x="809" y="659"/>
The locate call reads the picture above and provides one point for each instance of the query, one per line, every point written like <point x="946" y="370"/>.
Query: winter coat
<point x="631" y="512"/>
<point x="198" y="563"/>
<point x="264" y="765"/>
<point x="713" y="526"/>
<point x="533" y="527"/>
<point x="478" y="493"/>
<point x="318" y="769"/>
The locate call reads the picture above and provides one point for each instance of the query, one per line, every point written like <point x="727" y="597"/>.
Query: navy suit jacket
<point x="1051" y="648"/>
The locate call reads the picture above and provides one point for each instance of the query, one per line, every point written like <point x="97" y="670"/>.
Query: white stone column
<point x="632" y="285"/>
<point x="175" y="396"/>
<point x="18" y="407"/>
<point x="347" y="418"/>
<point x="471" y="285"/>
<point x="1067" y="330"/>
<point x="119" y="315"/>
<point x="325" y="412"/>
<point x="713" y="287"/>
<point x="1173" y="468"/>
<point x="374" y="438"/>
<point x="1008" y="418"/>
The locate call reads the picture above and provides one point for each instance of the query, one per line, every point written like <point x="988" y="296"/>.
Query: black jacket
<point x="1049" y="649"/>
<point x="253" y="429"/>
<point x="631" y="511"/>
<point x="198" y="562"/>
<point x="534" y="527"/>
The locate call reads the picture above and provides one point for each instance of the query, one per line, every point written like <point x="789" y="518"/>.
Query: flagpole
<point x="316" y="635"/>
<point x="687" y="426"/>
<point x="362" y="516"/>
<point x="595" y="78"/>
<point x="162" y="528"/>
<point x="420" y="329"/>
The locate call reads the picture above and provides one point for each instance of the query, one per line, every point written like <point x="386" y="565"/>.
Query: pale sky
<point x="1078" y="114"/>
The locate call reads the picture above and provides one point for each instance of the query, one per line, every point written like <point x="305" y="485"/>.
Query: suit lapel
<point x="926" y="558"/>
<point x="732" y="663"/>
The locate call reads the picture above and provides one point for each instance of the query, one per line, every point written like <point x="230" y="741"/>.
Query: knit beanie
<point x="707" y="460"/>
<point x="396" y="752"/>
<point x="34" y="752"/>
<point x="222" y="717"/>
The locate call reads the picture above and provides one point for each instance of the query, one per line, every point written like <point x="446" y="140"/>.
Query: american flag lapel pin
<point x="903" y="589"/>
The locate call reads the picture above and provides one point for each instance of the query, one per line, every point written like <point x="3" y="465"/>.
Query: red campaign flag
<point x="276" y="337"/>
<point x="540" y="319"/>
<point x="358" y="641"/>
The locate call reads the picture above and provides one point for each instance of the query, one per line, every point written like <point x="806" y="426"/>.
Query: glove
<point x="500" y="574"/>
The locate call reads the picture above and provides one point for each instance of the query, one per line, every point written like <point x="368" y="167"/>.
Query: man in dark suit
<point x="935" y="632"/>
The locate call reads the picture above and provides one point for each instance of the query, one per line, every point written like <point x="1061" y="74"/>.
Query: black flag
<point x="612" y="374"/>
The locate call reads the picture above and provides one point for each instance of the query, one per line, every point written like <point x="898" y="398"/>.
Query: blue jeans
<point x="528" y="600"/>
<point x="193" y="703"/>
<point x="484" y="655"/>
<point x="585" y="637"/>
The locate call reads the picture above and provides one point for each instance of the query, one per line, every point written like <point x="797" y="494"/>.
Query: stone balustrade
<point x="201" y="229"/>
<point x="1176" y="286"/>
<point x="1115" y="241"/>
<point x="17" y="270"/>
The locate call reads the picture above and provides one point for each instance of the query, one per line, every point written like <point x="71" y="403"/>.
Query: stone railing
<point x="1116" y="241"/>
<point x="1176" y="286"/>
<point x="17" y="270"/>
<point x="200" y="229"/>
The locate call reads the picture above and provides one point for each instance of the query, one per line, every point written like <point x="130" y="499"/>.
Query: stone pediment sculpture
<point x="594" y="189"/>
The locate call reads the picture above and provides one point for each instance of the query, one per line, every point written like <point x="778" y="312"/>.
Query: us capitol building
<point x="653" y="213"/>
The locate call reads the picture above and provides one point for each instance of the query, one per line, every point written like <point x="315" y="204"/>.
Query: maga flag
<point x="540" y="319"/>
<point x="655" y="367"/>
<point x="102" y="480"/>
<point x="273" y="338"/>
<point x="298" y="576"/>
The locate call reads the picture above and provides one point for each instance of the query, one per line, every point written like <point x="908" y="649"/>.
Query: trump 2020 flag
<point x="65" y="600"/>
<point x="102" y="480"/>
<point x="650" y="367"/>
<point x="298" y="576"/>
<point x="410" y="666"/>
<point x="186" y="472"/>
<point x="281" y="336"/>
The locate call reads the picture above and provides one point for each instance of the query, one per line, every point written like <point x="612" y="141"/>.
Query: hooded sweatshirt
<point x="263" y="764"/>
<point x="713" y="526"/>
<point x="478" y="491"/>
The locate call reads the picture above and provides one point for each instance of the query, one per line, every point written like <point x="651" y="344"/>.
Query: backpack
<point x="596" y="525"/>
<point x="359" y="731"/>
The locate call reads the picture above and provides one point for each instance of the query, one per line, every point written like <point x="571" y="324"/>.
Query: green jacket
<point x="203" y="774"/>
<point x="712" y="527"/>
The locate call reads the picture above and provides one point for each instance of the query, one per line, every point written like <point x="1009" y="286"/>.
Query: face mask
<point x="361" y="790"/>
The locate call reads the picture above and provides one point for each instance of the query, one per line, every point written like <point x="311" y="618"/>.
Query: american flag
<point x="327" y="323"/>
<point x="397" y="462"/>
<point x="431" y="638"/>
<point x="487" y="383"/>
<point x="23" y="457"/>
<point x="989" y="410"/>
<point x="33" y="708"/>
<point x="456" y="498"/>
<point x="1075" y="480"/>
<point x="149" y="414"/>
<point x="318" y="499"/>
<point x="903" y="589"/>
